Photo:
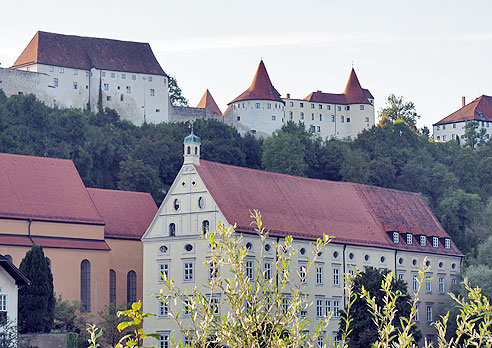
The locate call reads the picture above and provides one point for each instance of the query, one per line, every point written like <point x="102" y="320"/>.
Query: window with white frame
<point x="164" y="339"/>
<point x="134" y="77"/>
<point x="409" y="239"/>
<point x="396" y="237"/>
<point x="336" y="308"/>
<point x="52" y="69"/>
<point x="401" y="276"/>
<point x="428" y="284"/>
<point x="327" y="307"/>
<point x="328" y="107"/>
<point x="267" y="270"/>
<point x="336" y="339"/>
<point x="163" y="308"/>
<point x="285" y="304"/>
<point x="336" y="275"/>
<point x="304" y="306"/>
<point x="188" y="271"/>
<point x="415" y="282"/>
<point x="453" y="280"/>
<point x="342" y="119"/>
<point x="302" y="271"/>
<point x="435" y="242"/>
<point x="320" y="342"/>
<point x="339" y="108"/>
<point x="257" y="105"/>
<point x="429" y="313"/>
<point x="3" y="306"/>
<point x="55" y="81"/>
<point x="447" y="243"/>
<point x="215" y="304"/>
<point x="332" y="118"/>
<point x="302" y="115"/>
<point x="75" y="72"/>
<point x="274" y="117"/>
<point x="75" y="85"/>
<point x="362" y="107"/>
<point x="417" y="313"/>
<point x="152" y="92"/>
<point x="249" y="269"/>
<point x="442" y="285"/>
<point x="269" y="105"/>
<point x="319" y="274"/>
<point x="163" y="270"/>
<point x="113" y="75"/>
<point x="106" y="86"/>
<point x="320" y="303"/>
<point x="62" y="70"/>
<point x="186" y="307"/>
<point x="213" y="270"/>
<point x="123" y="76"/>
<point x="128" y="90"/>
<point x="423" y="240"/>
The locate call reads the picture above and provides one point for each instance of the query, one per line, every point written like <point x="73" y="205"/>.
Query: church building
<point x="372" y="226"/>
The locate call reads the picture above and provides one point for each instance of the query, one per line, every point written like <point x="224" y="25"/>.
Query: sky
<point x="430" y="52"/>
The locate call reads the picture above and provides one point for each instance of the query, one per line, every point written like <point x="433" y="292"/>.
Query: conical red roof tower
<point x="207" y="100"/>
<point x="353" y="91"/>
<point x="261" y="88"/>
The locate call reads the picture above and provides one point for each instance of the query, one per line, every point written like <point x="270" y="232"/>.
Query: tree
<point x="135" y="175"/>
<point x="397" y="109"/>
<point x="284" y="152"/>
<point x="471" y="136"/>
<point x="109" y="321"/>
<point x="364" y="330"/>
<point x="8" y="332"/>
<point x="37" y="301"/>
<point x="175" y="93"/>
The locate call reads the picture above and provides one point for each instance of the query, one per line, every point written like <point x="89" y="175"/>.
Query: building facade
<point x="383" y="228"/>
<point x="261" y="110"/>
<point x="11" y="279"/>
<point x="91" y="236"/>
<point x="80" y="72"/>
<point x="452" y="127"/>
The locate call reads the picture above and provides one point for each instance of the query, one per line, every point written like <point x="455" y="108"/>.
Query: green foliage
<point x="37" y="301"/>
<point x="136" y="337"/>
<point x="8" y="332"/>
<point x="397" y="109"/>
<point x="365" y="319"/>
<point x="72" y="340"/>
<point x="473" y="137"/>
<point x="94" y="334"/>
<point x="109" y="321"/>
<point x="65" y="315"/>
<point x="175" y="93"/>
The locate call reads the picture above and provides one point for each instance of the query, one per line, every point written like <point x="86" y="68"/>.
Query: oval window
<point x="249" y="245"/>
<point x="400" y="260"/>
<point x="188" y="247"/>
<point x="351" y="256"/>
<point x="335" y="254"/>
<point x="382" y="259"/>
<point x="414" y="262"/>
<point x="302" y="251"/>
<point x="441" y="264"/>
<point x="453" y="266"/>
<point x="366" y="257"/>
<point x="176" y="204"/>
<point x="201" y="202"/>
<point x="163" y="249"/>
<point x="267" y="247"/>
<point x="427" y="263"/>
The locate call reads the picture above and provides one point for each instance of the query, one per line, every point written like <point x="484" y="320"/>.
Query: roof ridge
<point x="114" y="190"/>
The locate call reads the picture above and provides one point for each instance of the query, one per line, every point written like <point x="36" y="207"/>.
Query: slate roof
<point x="79" y="52"/>
<point x="353" y="94"/>
<point x="127" y="214"/>
<point x="207" y="100"/>
<point x="480" y="109"/>
<point x="306" y="208"/>
<point x="41" y="188"/>
<point x="261" y="88"/>
<point x="20" y="279"/>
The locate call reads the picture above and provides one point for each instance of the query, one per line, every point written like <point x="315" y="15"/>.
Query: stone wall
<point x="47" y="340"/>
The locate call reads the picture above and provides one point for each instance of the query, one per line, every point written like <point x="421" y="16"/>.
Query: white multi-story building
<point x="452" y="127"/>
<point x="10" y="281"/>
<point x="261" y="110"/>
<point x="80" y="72"/>
<point x="373" y="226"/>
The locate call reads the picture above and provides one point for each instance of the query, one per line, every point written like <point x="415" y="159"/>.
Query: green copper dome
<point x="192" y="138"/>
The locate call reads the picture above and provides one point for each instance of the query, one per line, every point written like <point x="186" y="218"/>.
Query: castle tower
<point x="259" y="109"/>
<point x="208" y="101"/>
<point x="191" y="152"/>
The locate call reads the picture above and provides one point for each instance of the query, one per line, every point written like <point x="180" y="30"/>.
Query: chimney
<point x="288" y="95"/>
<point x="318" y="91"/>
<point x="463" y="101"/>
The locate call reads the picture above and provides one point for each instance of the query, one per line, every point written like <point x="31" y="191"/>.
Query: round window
<point x="382" y="259"/>
<point x="163" y="249"/>
<point x="335" y="254"/>
<point x="366" y="257"/>
<point x="201" y="202"/>
<point x="320" y="253"/>
<point x="441" y="264"/>
<point x="188" y="247"/>
<point x="302" y="251"/>
<point x="249" y="245"/>
<point x="176" y="204"/>
<point x="351" y="256"/>
<point x="267" y="247"/>
<point x="453" y="266"/>
<point x="427" y="263"/>
<point x="400" y="260"/>
<point x="414" y="262"/>
<point x="193" y="183"/>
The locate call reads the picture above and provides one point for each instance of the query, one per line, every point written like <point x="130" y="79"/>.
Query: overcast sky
<point x="430" y="52"/>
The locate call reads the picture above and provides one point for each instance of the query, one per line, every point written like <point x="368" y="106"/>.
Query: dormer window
<point x="409" y="239"/>
<point x="396" y="237"/>
<point x="447" y="243"/>
<point x="423" y="240"/>
<point x="435" y="242"/>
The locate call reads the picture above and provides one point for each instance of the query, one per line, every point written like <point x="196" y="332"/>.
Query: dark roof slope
<point x="207" y="100"/>
<point x="20" y="279"/>
<point x="42" y="188"/>
<point x="127" y="214"/>
<point x="480" y="109"/>
<point x="261" y="88"/>
<point x="307" y="208"/>
<point x="353" y="94"/>
<point x="81" y="52"/>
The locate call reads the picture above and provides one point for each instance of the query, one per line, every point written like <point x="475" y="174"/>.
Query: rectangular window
<point x="213" y="270"/>
<point x="409" y="239"/>
<point x="454" y="125"/>
<point x="453" y="280"/>
<point x="163" y="309"/>
<point x="319" y="274"/>
<point x="342" y="119"/>
<point x="55" y="81"/>
<point x="320" y="117"/>
<point x="302" y="272"/>
<point x="429" y="313"/>
<point x="312" y="129"/>
<point x="417" y="313"/>
<point x="108" y="98"/>
<point x="447" y="243"/>
<point x="336" y="308"/>
<point x="396" y="237"/>
<point x="75" y="85"/>
<point x="186" y="307"/>
<point x="164" y="340"/>
<point x="312" y="106"/>
<point x="320" y="106"/>
<point x="312" y="116"/>
<point x="249" y="269"/>
<point x="339" y="108"/>
<point x="443" y="138"/>
<point x="123" y="76"/>
<point x="438" y="127"/>
<point x="62" y="70"/>
<point x="113" y="75"/>
<point x="128" y="90"/>
<point x="269" y="105"/>
<point x="267" y="269"/>
<point x="274" y="117"/>
<point x="336" y="276"/>
<point x="302" y="115"/>
<point x="103" y="73"/>
<point x="348" y="107"/>
<point x="301" y="105"/>
<point x="321" y="344"/>
<point x="348" y="119"/>
<point x="152" y="92"/>
<point x="215" y="302"/>
<point x="291" y="103"/>
<point x="3" y="305"/>
<point x="367" y="119"/>
<point x="291" y="115"/>
<point x="423" y="240"/>
<point x="328" y="107"/>
<point x="362" y="107"/>
<point x="332" y="118"/>
<point x="188" y="274"/>
<point x="319" y="129"/>
<point x="327" y="307"/>
<point x="87" y="74"/>
<point x="150" y="78"/>
<point x="52" y="69"/>
<point x="428" y="285"/>
<point x="435" y="242"/>
<point x="75" y="72"/>
<point x="257" y="105"/>
<point x="319" y="308"/>
<point x="163" y="271"/>
<point x="443" y="127"/>
<point x="401" y="276"/>
<point x="442" y="287"/>
<point x="415" y="283"/>
<point x="106" y="87"/>
<point x="134" y="77"/>
<point x="285" y="304"/>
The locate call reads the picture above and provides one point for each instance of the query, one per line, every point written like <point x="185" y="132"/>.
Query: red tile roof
<point x="353" y="94"/>
<point x="307" y="208"/>
<point x="207" y="100"/>
<point x="126" y="214"/>
<point x="84" y="53"/>
<point x="480" y="109"/>
<point x="19" y="277"/>
<point x="261" y="88"/>
<point x="53" y="242"/>
<point x="41" y="188"/>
